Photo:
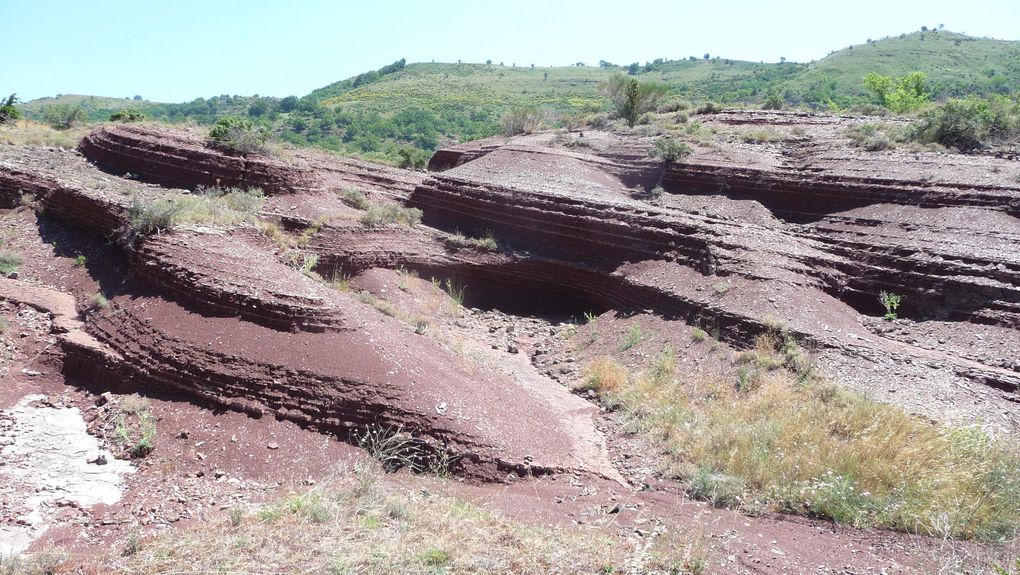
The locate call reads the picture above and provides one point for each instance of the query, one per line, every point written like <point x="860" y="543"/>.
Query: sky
<point x="181" y="50"/>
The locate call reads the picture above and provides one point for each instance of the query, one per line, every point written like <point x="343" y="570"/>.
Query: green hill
<point x="955" y="65"/>
<point x="380" y="112"/>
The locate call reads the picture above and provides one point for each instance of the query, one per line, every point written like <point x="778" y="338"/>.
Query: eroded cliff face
<point x="804" y="231"/>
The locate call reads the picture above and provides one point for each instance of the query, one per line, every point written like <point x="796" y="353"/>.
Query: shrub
<point x="670" y="150"/>
<point x="773" y="101"/>
<point x="522" y="120"/>
<point x="8" y="109"/>
<point x="412" y="157"/>
<point x="127" y="116"/>
<point x="239" y="135"/>
<point x="708" y="108"/>
<point x="376" y="216"/>
<point x="63" y="116"/>
<point x="355" y="198"/>
<point x="629" y="97"/>
<point x="969" y="123"/>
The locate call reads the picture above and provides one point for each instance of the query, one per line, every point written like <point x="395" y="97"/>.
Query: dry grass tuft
<point x="29" y="133"/>
<point x="781" y="437"/>
<point x="360" y="525"/>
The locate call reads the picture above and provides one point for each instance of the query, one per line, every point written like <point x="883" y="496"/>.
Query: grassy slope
<point x="97" y="107"/>
<point x="954" y="64"/>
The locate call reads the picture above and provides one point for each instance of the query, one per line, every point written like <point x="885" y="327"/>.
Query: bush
<point x="63" y="116"/>
<point x="708" y="108"/>
<point x="377" y="216"/>
<point x="773" y="101"/>
<point x="904" y="94"/>
<point x="238" y="135"/>
<point x="629" y="97"/>
<point x="412" y="157"/>
<point x="522" y="120"/>
<point x="8" y="110"/>
<point x="670" y="150"/>
<point x="970" y="123"/>
<point x="127" y="116"/>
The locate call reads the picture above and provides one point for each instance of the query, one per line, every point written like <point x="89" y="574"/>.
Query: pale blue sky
<point x="180" y="50"/>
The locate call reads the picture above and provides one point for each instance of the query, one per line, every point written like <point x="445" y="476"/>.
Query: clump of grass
<point x="9" y="262"/>
<point x="355" y="198"/>
<point x="359" y="524"/>
<point x="800" y="444"/>
<point x="487" y="242"/>
<point x="134" y="426"/>
<point x="218" y="207"/>
<point x="762" y="136"/>
<point x="698" y="335"/>
<point x="29" y="133"/>
<point x="634" y="337"/>
<point x="377" y="216"/>
<point x="454" y="290"/>
<point x="604" y="376"/>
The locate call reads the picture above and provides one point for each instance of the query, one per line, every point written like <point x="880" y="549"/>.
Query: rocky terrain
<point x="267" y="350"/>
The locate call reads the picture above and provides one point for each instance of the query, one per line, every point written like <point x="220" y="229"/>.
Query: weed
<point x="455" y="291"/>
<point x="435" y="558"/>
<point x="634" y="337"/>
<point x="698" y="335"/>
<point x="891" y="302"/>
<point x="395" y="448"/>
<point x="99" y="300"/>
<point x="604" y="376"/>
<point x="79" y="261"/>
<point x="134" y="542"/>
<point x="589" y="317"/>
<point x="236" y="516"/>
<point x="420" y="324"/>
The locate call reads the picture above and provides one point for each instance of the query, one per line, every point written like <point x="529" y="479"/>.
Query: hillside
<point x="380" y="114"/>
<point x="955" y="65"/>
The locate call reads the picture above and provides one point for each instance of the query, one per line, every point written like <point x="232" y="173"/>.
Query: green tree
<point x="8" y="110"/>
<point x="63" y="116"/>
<point x="904" y="94"/>
<point x="629" y="97"/>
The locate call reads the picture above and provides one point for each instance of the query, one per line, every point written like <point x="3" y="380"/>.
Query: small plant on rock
<point x="891" y="302"/>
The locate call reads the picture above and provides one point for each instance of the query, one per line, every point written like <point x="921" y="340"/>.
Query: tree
<point x="706" y="56"/>
<point x="8" y="110"/>
<point x="629" y="97"/>
<point x="288" y="104"/>
<point x="903" y="94"/>
<point x="63" y="116"/>
<point x="633" y="68"/>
